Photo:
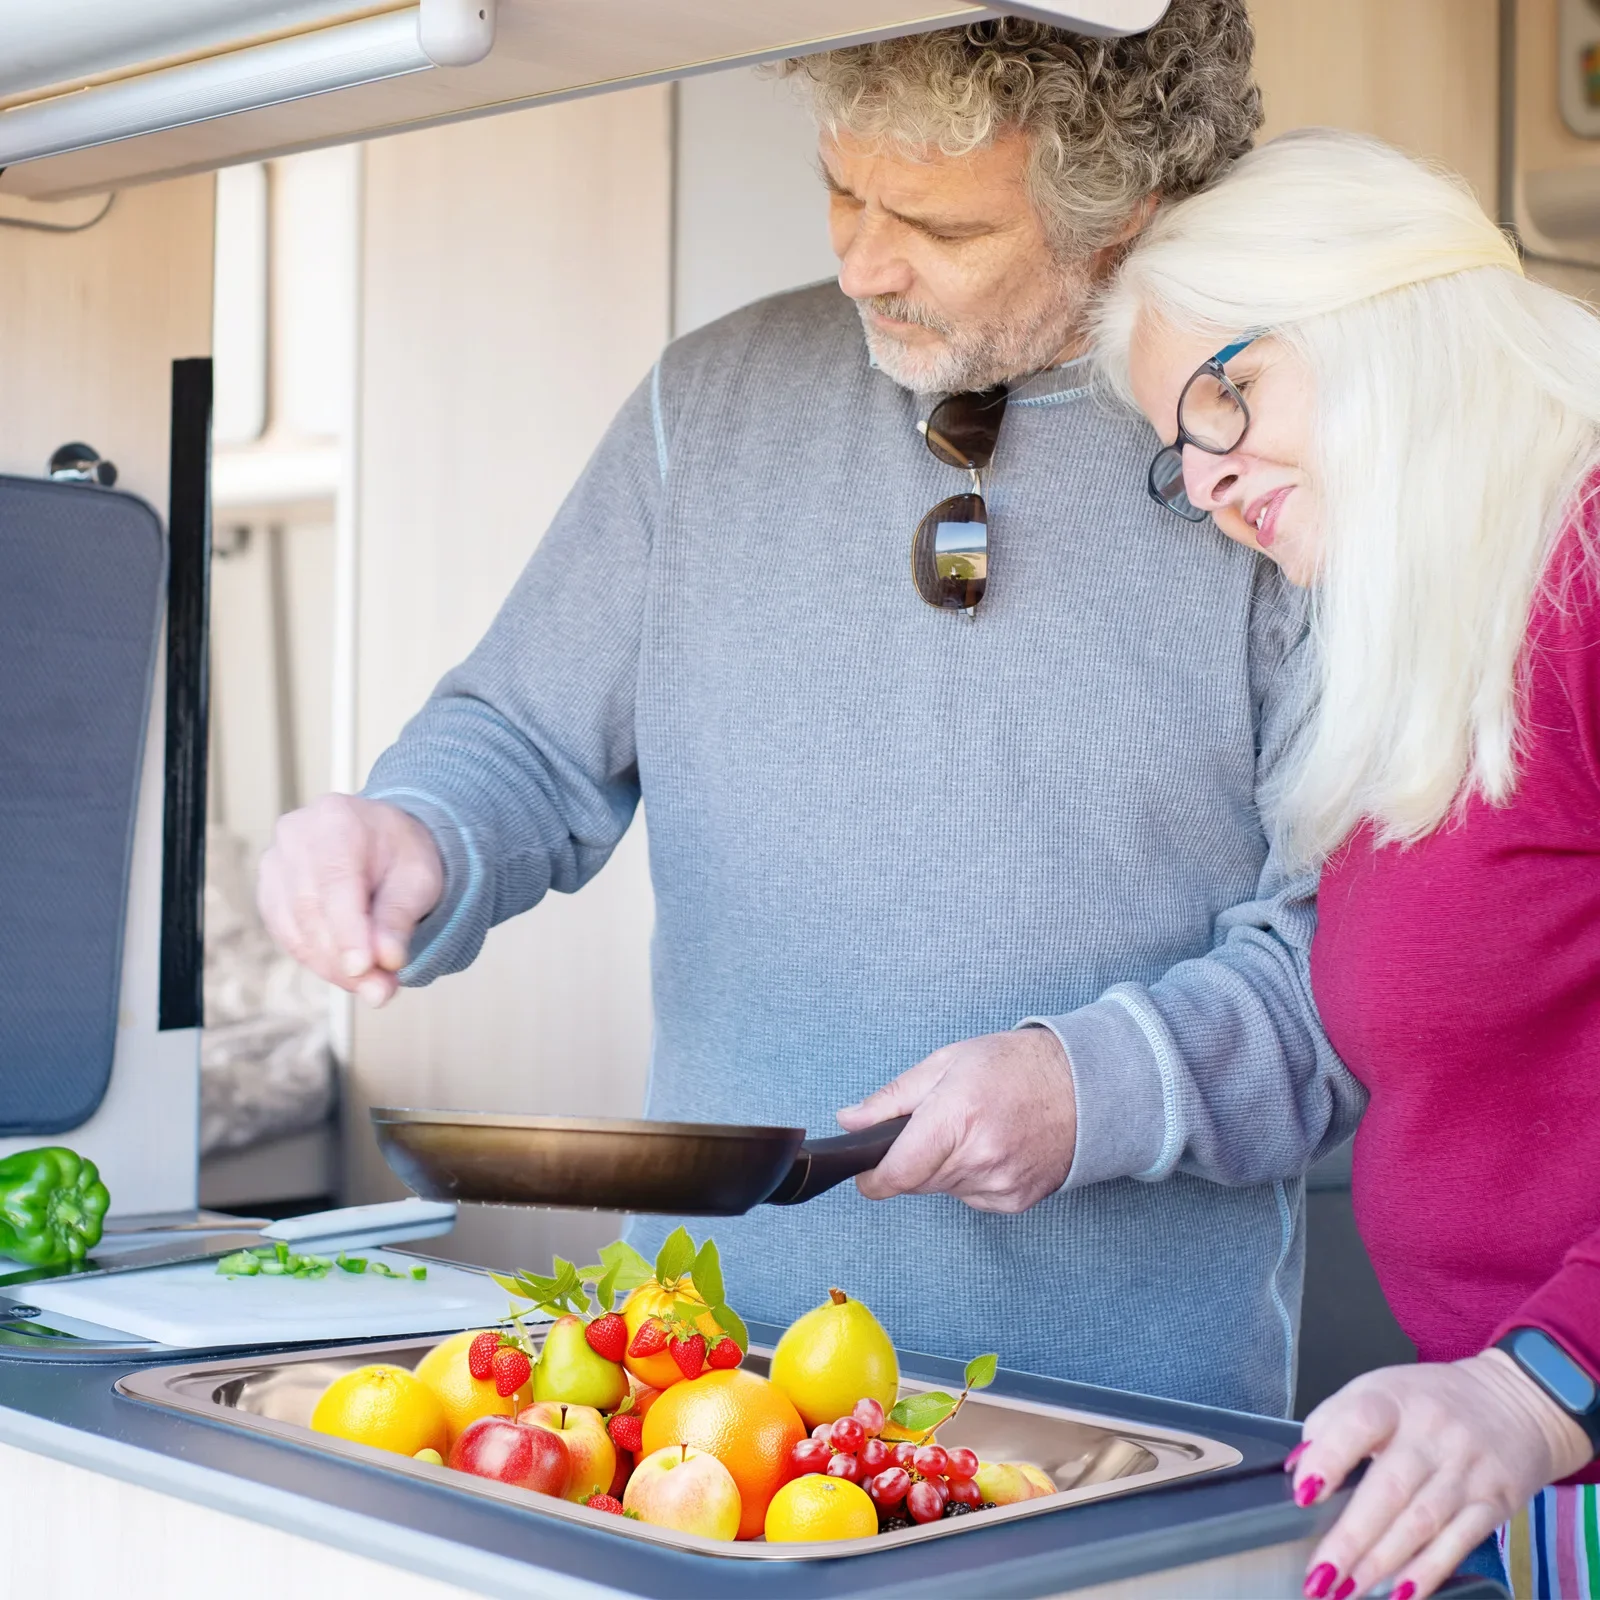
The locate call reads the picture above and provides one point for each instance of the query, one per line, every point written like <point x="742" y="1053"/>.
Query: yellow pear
<point x="834" y="1356"/>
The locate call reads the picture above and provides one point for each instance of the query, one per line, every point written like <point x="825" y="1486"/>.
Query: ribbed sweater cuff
<point x="462" y="881"/>
<point x="1123" y="1117"/>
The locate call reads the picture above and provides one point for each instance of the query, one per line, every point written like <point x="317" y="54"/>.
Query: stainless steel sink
<point x="1090" y="1457"/>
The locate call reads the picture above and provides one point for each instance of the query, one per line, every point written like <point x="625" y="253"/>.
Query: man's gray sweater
<point x="876" y="828"/>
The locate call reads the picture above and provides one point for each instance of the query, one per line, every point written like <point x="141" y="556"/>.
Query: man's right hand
<point x="343" y="886"/>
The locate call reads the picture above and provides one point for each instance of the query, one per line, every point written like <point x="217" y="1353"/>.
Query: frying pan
<point x="703" y="1169"/>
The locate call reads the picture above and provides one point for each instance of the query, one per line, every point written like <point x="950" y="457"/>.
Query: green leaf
<point x="917" y="1413"/>
<point x="676" y="1256"/>
<point x="707" y="1275"/>
<point x="688" y="1312"/>
<point x="981" y="1371"/>
<point x="631" y="1267"/>
<point x="605" y="1290"/>
<point x="729" y="1321"/>
<point x="512" y="1286"/>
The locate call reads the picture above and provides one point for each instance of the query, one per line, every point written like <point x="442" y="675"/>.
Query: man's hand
<point x="343" y="886"/>
<point x="994" y="1121"/>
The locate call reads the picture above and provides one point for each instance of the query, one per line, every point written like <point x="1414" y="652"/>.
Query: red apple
<point x="589" y="1446"/>
<point x="511" y="1452"/>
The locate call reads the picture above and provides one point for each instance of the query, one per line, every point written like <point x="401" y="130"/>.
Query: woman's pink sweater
<point x="1460" y="980"/>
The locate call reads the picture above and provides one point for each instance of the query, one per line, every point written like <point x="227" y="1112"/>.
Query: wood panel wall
<point x="516" y="289"/>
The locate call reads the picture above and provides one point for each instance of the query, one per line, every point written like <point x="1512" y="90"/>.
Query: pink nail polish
<point x="1295" y="1454"/>
<point x="1405" y="1591"/>
<point x="1307" y="1490"/>
<point x="1319" y="1579"/>
<point x="1345" y="1589"/>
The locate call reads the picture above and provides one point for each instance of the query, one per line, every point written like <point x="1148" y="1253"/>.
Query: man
<point x="883" y="835"/>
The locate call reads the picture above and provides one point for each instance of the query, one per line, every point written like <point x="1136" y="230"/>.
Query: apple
<point x="589" y="1446"/>
<point x="686" y="1489"/>
<point x="511" y="1452"/>
<point x="619" y="1479"/>
<point x="570" y="1373"/>
<point x="1041" y="1480"/>
<point x="1005" y="1483"/>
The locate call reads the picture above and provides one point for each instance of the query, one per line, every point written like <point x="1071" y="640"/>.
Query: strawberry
<point x="608" y="1336"/>
<point x="480" y="1353"/>
<point x="512" y="1369"/>
<point x="690" y="1354"/>
<point x="627" y="1431"/>
<point x="724" y="1354"/>
<point x="604" y="1502"/>
<point x="651" y="1338"/>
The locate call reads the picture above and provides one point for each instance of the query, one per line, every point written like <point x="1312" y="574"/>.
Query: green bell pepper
<point x="52" y="1205"/>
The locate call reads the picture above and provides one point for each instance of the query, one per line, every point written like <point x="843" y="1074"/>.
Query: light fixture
<point x="434" y="33"/>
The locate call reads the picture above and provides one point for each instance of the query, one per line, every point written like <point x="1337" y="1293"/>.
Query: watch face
<point x="1554" y="1368"/>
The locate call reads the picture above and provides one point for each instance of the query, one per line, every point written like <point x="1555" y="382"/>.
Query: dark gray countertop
<point x="69" y="1410"/>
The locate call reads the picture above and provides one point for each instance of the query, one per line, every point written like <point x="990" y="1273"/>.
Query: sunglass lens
<point x="950" y="553"/>
<point x="963" y="430"/>
<point x="1167" y="487"/>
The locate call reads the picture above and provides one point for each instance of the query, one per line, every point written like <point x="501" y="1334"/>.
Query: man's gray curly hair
<point x="1111" y="120"/>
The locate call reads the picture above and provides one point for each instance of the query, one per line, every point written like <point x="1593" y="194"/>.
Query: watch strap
<point x="1561" y="1377"/>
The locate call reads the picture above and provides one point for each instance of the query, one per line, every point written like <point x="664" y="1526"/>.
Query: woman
<point x="1353" y="377"/>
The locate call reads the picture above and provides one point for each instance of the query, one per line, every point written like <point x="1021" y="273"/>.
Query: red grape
<point x="963" y="1463"/>
<point x="890" y="1486"/>
<point x="924" y="1502"/>
<point x="902" y="1455"/>
<point x="823" y="1431"/>
<point x="848" y="1434"/>
<point x="810" y="1455"/>
<point x="966" y="1493"/>
<point x="869" y="1413"/>
<point x="874" y="1455"/>
<point x="846" y="1466"/>
<point x="931" y="1460"/>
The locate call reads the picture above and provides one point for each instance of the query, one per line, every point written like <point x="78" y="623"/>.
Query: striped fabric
<point x="1552" y="1549"/>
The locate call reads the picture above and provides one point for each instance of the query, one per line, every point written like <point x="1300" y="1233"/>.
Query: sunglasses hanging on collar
<point x="950" y="549"/>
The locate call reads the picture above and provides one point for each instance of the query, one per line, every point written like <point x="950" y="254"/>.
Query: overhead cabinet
<point x="98" y="94"/>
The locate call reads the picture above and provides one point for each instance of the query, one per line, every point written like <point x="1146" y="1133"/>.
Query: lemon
<point x="817" y="1507"/>
<point x="832" y="1357"/>
<point x="385" y="1407"/>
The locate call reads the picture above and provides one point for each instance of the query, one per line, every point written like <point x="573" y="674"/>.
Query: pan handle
<point x="820" y="1164"/>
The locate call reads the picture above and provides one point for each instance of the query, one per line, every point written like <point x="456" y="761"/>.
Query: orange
<point x="652" y="1300"/>
<point x="816" y="1507"/>
<point x="746" y="1423"/>
<point x="385" y="1407"/>
<point x="465" y="1398"/>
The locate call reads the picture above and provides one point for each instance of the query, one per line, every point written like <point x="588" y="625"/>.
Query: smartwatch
<point x="1567" y="1383"/>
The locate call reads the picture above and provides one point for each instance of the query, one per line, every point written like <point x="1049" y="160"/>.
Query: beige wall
<point x="515" y="290"/>
<point x="1420" y="73"/>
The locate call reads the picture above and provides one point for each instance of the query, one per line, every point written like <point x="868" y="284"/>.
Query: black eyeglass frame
<point x="1170" y="457"/>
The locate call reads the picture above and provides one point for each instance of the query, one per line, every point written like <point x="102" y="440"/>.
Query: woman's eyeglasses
<point x="1213" y="417"/>
<point x="950" y="550"/>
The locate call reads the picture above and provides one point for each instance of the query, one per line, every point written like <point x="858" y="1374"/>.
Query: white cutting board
<point x="194" y="1306"/>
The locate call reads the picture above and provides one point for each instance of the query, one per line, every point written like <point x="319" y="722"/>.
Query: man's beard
<point x="975" y="356"/>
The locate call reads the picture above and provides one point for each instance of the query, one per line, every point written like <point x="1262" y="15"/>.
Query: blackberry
<point x="895" y="1524"/>
<point x="988" y="1505"/>
<point x="955" y="1508"/>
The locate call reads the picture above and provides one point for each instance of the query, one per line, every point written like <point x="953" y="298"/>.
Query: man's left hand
<point x="994" y="1122"/>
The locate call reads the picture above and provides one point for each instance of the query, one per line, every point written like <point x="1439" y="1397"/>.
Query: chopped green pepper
<point x="52" y="1206"/>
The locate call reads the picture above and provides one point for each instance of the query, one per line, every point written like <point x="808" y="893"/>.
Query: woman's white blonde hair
<point x="1457" y="413"/>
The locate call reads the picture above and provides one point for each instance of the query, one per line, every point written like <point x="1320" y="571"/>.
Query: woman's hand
<point x="1456" y="1449"/>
